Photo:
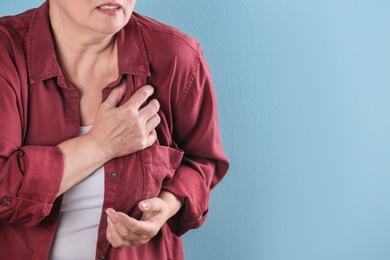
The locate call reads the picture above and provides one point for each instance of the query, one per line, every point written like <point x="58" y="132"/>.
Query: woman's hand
<point x="117" y="131"/>
<point x="129" y="128"/>
<point x="124" y="231"/>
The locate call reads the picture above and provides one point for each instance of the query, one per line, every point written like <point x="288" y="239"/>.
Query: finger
<point x="110" y="211"/>
<point x="120" y="230"/>
<point x="150" y="138"/>
<point x="126" y="226"/>
<point x="116" y="95"/>
<point x="117" y="221"/>
<point x="152" y="123"/>
<point x="139" y="97"/>
<point x="129" y="227"/>
<point x="113" y="236"/>
<point x="150" y="109"/>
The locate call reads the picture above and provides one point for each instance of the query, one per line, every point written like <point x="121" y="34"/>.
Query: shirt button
<point x="113" y="175"/>
<point x="102" y="257"/>
<point x="7" y="202"/>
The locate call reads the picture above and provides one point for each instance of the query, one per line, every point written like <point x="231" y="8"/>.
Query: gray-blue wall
<point x="304" y="99"/>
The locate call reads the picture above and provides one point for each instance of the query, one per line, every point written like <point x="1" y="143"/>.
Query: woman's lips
<point x="109" y="8"/>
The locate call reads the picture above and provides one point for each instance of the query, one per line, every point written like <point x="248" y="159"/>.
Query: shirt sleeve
<point x="197" y="133"/>
<point x="30" y="176"/>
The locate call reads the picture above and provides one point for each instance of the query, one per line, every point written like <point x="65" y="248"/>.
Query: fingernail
<point x="108" y="212"/>
<point x="145" y="205"/>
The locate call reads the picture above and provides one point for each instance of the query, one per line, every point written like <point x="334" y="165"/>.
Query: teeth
<point x="106" y="7"/>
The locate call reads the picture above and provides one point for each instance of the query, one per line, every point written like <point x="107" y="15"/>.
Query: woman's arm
<point x="31" y="177"/>
<point x="197" y="133"/>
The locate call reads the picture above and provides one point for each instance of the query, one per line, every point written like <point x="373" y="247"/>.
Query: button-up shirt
<point x="39" y="109"/>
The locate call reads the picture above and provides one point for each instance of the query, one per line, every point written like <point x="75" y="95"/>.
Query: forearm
<point x="82" y="156"/>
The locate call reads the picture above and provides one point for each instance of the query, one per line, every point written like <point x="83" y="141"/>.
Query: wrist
<point x="98" y="147"/>
<point x="173" y="203"/>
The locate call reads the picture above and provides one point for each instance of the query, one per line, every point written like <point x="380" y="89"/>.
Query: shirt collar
<point x="41" y="56"/>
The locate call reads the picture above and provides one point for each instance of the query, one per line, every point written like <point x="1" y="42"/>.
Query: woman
<point x="109" y="139"/>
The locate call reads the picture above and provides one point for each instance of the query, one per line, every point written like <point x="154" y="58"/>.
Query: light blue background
<point x="303" y="89"/>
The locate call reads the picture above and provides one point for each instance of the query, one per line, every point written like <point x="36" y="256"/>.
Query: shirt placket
<point x="111" y="182"/>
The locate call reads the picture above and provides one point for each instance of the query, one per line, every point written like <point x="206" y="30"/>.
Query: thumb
<point x="116" y="95"/>
<point x="150" y="205"/>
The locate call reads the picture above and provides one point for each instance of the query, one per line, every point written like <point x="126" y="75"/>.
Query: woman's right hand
<point x="117" y="131"/>
<point x="125" y="129"/>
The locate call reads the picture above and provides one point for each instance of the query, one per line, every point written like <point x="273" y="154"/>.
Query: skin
<point x="86" y="50"/>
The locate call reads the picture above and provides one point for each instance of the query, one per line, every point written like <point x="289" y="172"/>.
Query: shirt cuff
<point x="189" y="188"/>
<point x="35" y="174"/>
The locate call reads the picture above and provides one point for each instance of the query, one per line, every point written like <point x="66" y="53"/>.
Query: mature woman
<point x="109" y="138"/>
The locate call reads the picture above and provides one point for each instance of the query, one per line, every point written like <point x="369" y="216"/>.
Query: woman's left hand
<point x="124" y="231"/>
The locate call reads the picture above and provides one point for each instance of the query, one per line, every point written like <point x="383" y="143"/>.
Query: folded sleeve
<point x="197" y="133"/>
<point x="30" y="176"/>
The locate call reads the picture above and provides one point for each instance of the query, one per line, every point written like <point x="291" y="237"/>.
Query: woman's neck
<point x="89" y="67"/>
<point x="83" y="53"/>
<point x="78" y="59"/>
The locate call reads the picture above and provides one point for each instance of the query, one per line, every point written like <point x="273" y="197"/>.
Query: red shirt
<point x="40" y="109"/>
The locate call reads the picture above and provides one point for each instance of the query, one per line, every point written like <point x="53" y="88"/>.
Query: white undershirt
<point x="81" y="209"/>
